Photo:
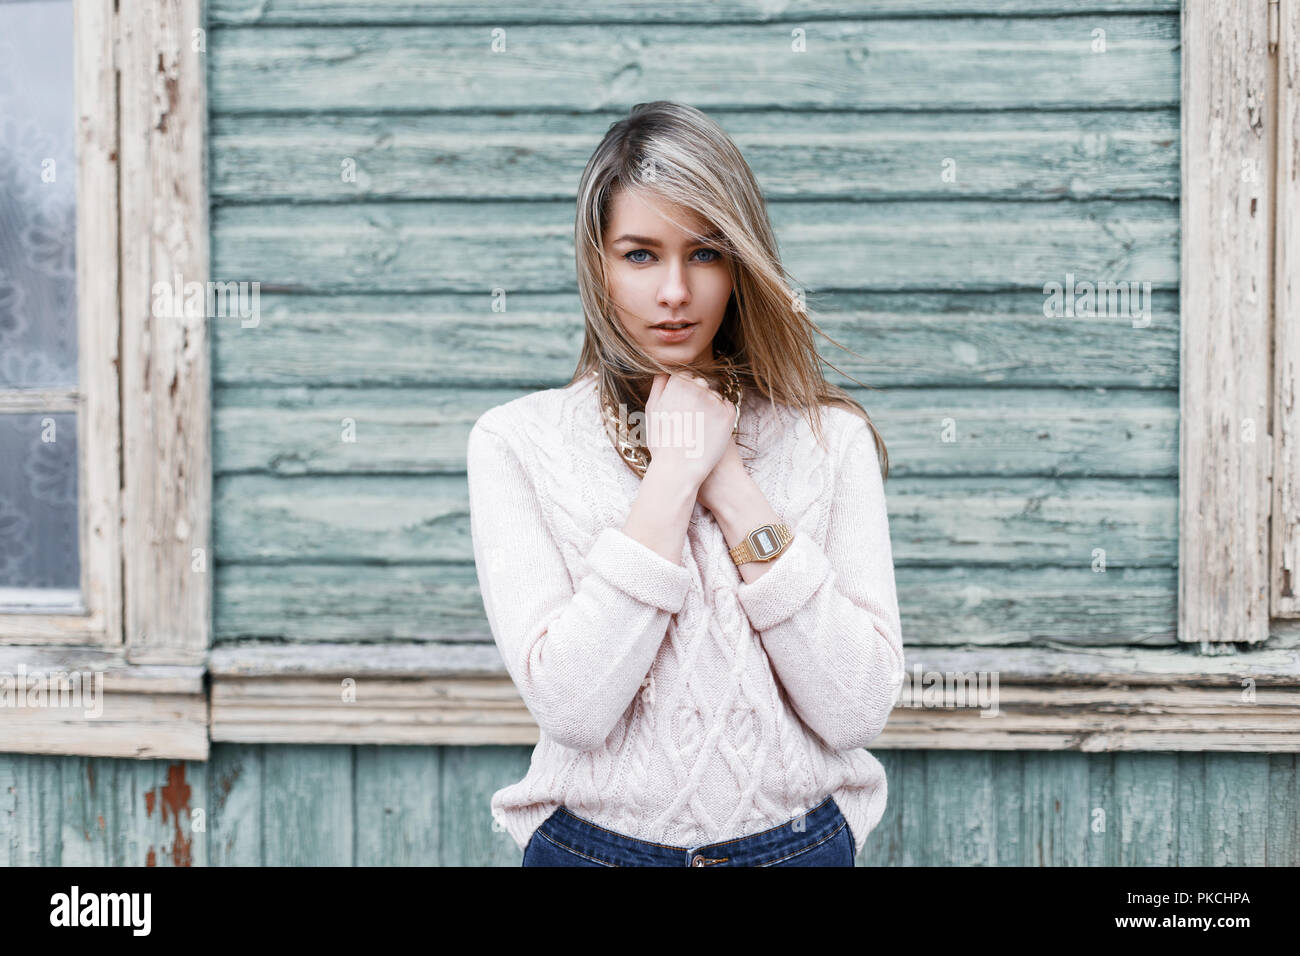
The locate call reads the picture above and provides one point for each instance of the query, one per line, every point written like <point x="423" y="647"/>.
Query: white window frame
<point x="1285" y="543"/>
<point x="142" y="402"/>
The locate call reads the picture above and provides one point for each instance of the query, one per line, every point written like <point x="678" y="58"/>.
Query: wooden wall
<point x="381" y="171"/>
<point x="427" y="806"/>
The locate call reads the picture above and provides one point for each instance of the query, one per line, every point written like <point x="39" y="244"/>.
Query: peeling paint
<point x="226" y="783"/>
<point x="175" y="796"/>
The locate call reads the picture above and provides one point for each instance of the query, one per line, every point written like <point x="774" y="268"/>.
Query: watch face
<point x="764" y="541"/>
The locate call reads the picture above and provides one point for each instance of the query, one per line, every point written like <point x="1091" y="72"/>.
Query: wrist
<point x="674" y="485"/>
<point x="741" y="507"/>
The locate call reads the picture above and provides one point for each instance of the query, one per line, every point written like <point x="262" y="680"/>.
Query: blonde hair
<point x="676" y="153"/>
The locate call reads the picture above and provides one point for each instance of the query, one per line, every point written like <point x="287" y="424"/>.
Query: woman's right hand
<point x="687" y="426"/>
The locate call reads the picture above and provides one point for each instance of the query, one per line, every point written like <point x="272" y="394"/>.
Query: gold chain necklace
<point x="636" y="455"/>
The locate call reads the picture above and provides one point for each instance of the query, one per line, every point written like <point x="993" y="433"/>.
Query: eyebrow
<point x="649" y="241"/>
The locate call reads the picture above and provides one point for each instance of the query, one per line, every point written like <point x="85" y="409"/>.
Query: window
<point x="1239" y="505"/>
<point x="1285" y="543"/>
<point x="103" y="405"/>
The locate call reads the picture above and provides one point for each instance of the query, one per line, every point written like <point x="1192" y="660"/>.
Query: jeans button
<point x="697" y="861"/>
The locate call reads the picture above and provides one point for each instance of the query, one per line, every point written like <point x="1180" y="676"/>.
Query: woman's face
<point x="659" y="273"/>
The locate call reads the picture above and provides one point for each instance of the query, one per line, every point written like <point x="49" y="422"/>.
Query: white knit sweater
<point x="676" y="702"/>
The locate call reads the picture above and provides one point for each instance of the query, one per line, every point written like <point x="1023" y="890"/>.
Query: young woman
<point x="707" y="639"/>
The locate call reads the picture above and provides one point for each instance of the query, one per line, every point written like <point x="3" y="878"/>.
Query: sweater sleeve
<point x="577" y="656"/>
<point x="828" y="617"/>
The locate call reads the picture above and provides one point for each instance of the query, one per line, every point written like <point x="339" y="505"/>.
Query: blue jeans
<point x="820" y="837"/>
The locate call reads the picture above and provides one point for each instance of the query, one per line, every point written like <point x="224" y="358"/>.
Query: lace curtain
<point x="38" y="327"/>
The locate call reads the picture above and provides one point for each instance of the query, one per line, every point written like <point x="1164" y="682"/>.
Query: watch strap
<point x="762" y="544"/>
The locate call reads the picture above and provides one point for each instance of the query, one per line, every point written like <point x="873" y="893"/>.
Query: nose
<point x="674" y="291"/>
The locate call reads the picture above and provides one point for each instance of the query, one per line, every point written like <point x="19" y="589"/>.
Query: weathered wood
<point x="1094" y="154"/>
<point x="302" y="793"/>
<point x="142" y="725"/>
<point x="921" y="339"/>
<point x="1285" y="544"/>
<point x="119" y="675"/>
<point x="125" y="710"/>
<point x="421" y="518"/>
<point x="125" y="813"/>
<point x="406" y="12"/>
<point x="167" y="470"/>
<point x="993" y="606"/>
<point x="945" y="807"/>
<point x="1056" y="665"/>
<point x="465" y="711"/>
<point x="1226" y="246"/>
<point x="904" y="64"/>
<point x="234" y="798"/>
<point x="30" y="400"/>
<point x="396" y="822"/>
<point x="445" y="246"/>
<point x="950" y="432"/>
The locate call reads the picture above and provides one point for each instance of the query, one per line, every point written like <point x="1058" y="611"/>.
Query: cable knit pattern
<point x="676" y="702"/>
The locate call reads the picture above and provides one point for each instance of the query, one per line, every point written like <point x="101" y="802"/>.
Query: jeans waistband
<point x="798" y="833"/>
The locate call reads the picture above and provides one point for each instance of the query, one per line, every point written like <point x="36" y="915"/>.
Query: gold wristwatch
<point x="763" y="543"/>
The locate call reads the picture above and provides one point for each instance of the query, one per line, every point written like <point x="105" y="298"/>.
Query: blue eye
<point x="716" y="255"/>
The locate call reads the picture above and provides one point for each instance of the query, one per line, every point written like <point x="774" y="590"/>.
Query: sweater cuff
<point x="639" y="571"/>
<point x="794" y="577"/>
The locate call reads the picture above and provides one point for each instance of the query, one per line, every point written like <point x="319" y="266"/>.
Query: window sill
<point x="1086" y="699"/>
<point x="144" y="711"/>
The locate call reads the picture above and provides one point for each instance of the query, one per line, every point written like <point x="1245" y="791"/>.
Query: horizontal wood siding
<point x="1028" y="452"/>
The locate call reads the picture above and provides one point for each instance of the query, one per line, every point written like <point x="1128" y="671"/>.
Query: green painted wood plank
<point x="130" y="812"/>
<point x="978" y="606"/>
<point x="953" y="432"/>
<point x="1055" y="816"/>
<point x="944" y="808"/>
<point x="962" y="814"/>
<point x="1158" y="808"/>
<point x="31" y="809"/>
<point x="799" y="155"/>
<point x="398" y="812"/>
<point x="469" y="836"/>
<point x="353" y="519"/>
<point x="307" y="807"/>
<point x="1282" y="838"/>
<point x="430" y="247"/>
<point x="645" y="11"/>
<point x="1238" y="791"/>
<point x="348" y="602"/>
<point x="1192" y="822"/>
<point x="1103" y="831"/>
<point x="1010" y="809"/>
<point x="922" y="64"/>
<point x="1146" y="791"/>
<point x="235" y="819"/>
<point x="919" y="339"/>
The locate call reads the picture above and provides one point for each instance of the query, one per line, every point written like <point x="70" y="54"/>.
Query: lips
<point x="674" y="336"/>
<point x="664" y="325"/>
